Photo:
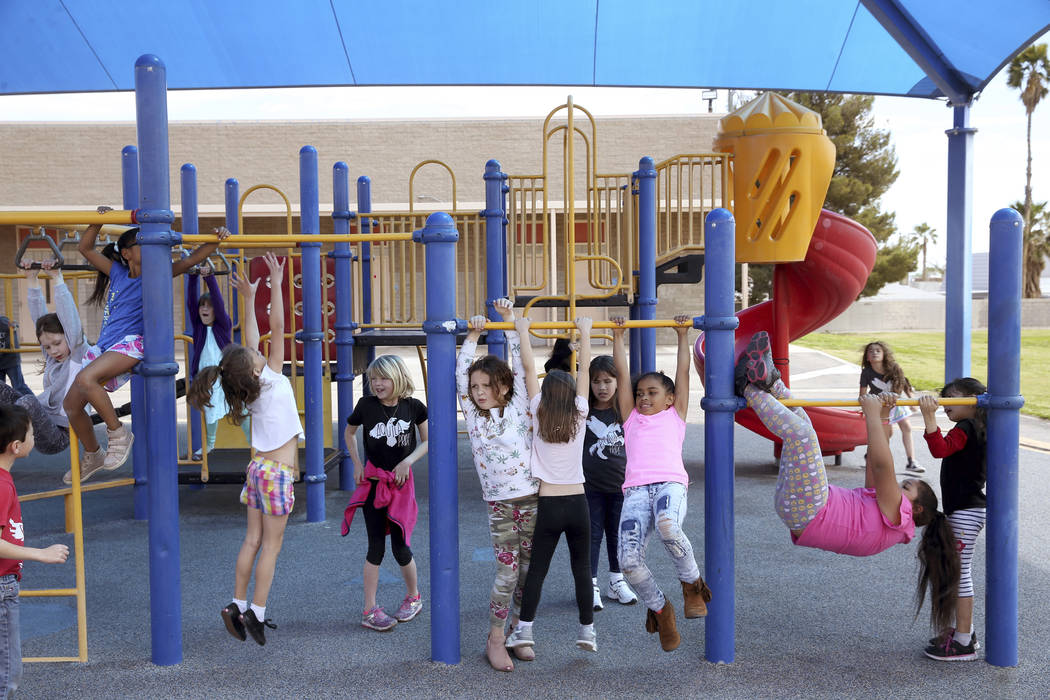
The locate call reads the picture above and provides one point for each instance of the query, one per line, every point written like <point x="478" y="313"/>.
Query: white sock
<point x="524" y="626"/>
<point x="963" y="639"/>
<point x="242" y="605"/>
<point x="594" y="582"/>
<point x="586" y="628"/>
<point x="260" y="612"/>
<point x="615" y="576"/>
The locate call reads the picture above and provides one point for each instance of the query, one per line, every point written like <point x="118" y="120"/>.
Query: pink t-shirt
<point x="851" y="523"/>
<point x="654" y="448"/>
<point x="558" y="462"/>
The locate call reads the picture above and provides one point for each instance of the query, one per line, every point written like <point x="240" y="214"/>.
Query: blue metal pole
<point x="344" y="324"/>
<point x="1004" y="405"/>
<point x="958" y="274"/>
<point x="158" y="366"/>
<point x="312" y="335"/>
<point x="191" y="226"/>
<point x="439" y="238"/>
<point x="129" y="166"/>
<point x="233" y="226"/>
<point x="495" y="252"/>
<point x="720" y="404"/>
<point x="646" y="300"/>
<point x="364" y="224"/>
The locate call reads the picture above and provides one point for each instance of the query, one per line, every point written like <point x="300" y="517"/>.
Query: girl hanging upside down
<point x="861" y="521"/>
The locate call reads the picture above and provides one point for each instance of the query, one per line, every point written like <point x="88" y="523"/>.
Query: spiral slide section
<point x="807" y="295"/>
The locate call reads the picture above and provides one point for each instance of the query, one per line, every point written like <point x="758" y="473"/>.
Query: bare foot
<point x="497" y="654"/>
<point x="525" y="653"/>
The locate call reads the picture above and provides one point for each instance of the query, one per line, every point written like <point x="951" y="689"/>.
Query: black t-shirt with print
<point x="604" y="458"/>
<point x="390" y="431"/>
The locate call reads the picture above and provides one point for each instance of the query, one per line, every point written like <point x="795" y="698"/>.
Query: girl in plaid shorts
<point x="254" y="385"/>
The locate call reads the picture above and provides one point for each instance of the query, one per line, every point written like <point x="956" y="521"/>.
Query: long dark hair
<point x="561" y="356"/>
<point x="556" y="413"/>
<point x="49" y="323"/>
<point x="113" y="252"/>
<point x="604" y="364"/>
<point x="968" y="386"/>
<point x="939" y="565"/>
<point x="891" y="371"/>
<point x="236" y="371"/>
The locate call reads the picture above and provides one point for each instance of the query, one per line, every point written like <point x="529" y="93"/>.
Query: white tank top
<point x="275" y="417"/>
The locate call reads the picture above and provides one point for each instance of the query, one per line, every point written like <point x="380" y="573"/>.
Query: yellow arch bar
<point x="67" y="218"/>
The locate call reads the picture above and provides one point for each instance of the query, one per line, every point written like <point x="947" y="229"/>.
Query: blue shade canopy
<point x="919" y="48"/>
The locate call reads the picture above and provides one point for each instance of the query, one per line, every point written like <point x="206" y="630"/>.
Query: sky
<point x="916" y="127"/>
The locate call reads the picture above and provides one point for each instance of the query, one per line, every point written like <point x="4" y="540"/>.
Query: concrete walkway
<point x="809" y="623"/>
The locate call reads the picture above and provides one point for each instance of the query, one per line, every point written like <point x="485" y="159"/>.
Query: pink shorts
<point x="130" y="345"/>
<point x="268" y="487"/>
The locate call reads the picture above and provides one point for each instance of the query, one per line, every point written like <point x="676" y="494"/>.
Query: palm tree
<point x="1029" y="72"/>
<point x="922" y="235"/>
<point x="1036" y="247"/>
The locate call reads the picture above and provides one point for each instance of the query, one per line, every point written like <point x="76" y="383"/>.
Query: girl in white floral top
<point x="496" y="409"/>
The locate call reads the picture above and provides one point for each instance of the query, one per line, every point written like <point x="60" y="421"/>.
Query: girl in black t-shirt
<point x="604" y="461"/>
<point x="386" y="490"/>
<point x="880" y="372"/>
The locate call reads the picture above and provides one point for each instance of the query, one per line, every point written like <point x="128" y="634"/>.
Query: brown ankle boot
<point x="663" y="622"/>
<point x="697" y="595"/>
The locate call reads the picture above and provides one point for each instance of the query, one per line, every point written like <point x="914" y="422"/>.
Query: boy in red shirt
<point x="16" y="440"/>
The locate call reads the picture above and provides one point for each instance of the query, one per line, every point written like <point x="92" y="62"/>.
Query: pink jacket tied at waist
<point x="400" y="501"/>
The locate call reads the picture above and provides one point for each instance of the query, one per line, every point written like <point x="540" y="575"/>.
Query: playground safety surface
<point x="808" y="623"/>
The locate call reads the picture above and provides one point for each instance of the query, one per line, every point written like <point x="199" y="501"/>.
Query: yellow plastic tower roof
<point x="771" y="112"/>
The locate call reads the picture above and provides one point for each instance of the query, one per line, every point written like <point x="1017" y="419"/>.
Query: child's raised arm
<point x="275" y="358"/>
<point x="624" y="395"/>
<point x="879" y="469"/>
<point x="200" y="253"/>
<point x="249" y="326"/>
<point x="86" y="247"/>
<point x="465" y="358"/>
<point x="218" y="304"/>
<point x="681" y="375"/>
<point x="583" y="381"/>
<point x="532" y="384"/>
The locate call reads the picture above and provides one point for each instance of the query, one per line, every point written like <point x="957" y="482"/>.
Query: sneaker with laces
<point x="520" y="637"/>
<point x="119" y="448"/>
<point x="951" y="650"/>
<point x="597" y="595"/>
<point x="940" y="639"/>
<point x="755" y="365"/>
<point x="621" y="590"/>
<point x="410" y="607"/>
<point x="914" y="467"/>
<point x="255" y="627"/>
<point x="90" y="463"/>
<point x="377" y="619"/>
<point x="587" y="639"/>
<point x="231" y="616"/>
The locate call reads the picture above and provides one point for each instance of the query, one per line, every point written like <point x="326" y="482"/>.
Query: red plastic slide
<point x="806" y="295"/>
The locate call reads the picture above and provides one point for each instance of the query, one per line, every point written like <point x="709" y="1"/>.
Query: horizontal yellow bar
<point x="66" y="218"/>
<point x="855" y="403"/>
<point x="569" y="325"/>
<point x="49" y="659"/>
<point x="48" y="593"/>
<point x="288" y="241"/>
<point x="97" y="486"/>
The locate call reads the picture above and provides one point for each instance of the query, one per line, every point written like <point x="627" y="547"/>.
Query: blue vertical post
<point x="233" y="225"/>
<point x="364" y="225"/>
<point x="158" y="366"/>
<point x="439" y="237"/>
<point x="720" y="405"/>
<point x="495" y="252"/>
<point x="646" y="300"/>
<point x="190" y="226"/>
<point x="312" y="335"/>
<point x="129" y="167"/>
<point x="958" y="272"/>
<point x="344" y="324"/>
<point x="1004" y="405"/>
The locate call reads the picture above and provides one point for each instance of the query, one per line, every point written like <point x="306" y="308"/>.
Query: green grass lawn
<point x="922" y="357"/>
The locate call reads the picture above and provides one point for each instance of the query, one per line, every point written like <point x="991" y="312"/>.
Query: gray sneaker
<point x="587" y="639"/>
<point x="520" y="637"/>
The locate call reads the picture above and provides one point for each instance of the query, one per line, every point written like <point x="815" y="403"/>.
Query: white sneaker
<point x="597" y="595"/>
<point x="621" y="590"/>
<point x="914" y="467"/>
<point x="587" y="639"/>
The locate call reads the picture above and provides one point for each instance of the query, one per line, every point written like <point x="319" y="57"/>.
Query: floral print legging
<point x="802" y="485"/>
<point x="511" y="524"/>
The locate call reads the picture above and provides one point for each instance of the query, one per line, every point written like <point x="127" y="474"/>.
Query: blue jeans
<point x="661" y="506"/>
<point x="14" y="373"/>
<point x="10" y="637"/>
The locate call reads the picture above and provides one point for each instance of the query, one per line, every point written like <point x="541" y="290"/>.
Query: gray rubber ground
<point x="808" y="623"/>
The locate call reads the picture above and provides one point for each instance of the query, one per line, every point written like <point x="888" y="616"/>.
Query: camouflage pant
<point x="511" y="524"/>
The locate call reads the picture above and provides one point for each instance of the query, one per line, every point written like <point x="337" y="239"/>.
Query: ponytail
<point x="236" y="371"/>
<point x="199" y="394"/>
<point x="939" y="565"/>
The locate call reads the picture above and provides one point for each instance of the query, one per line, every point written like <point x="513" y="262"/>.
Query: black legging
<point x="375" y="526"/>
<point x="555" y="515"/>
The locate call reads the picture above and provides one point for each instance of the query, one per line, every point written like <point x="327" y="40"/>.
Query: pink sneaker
<point x="377" y="619"/>
<point x="410" y="607"/>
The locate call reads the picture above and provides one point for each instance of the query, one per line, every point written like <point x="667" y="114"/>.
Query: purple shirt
<point x="851" y="523"/>
<point x="123" y="313"/>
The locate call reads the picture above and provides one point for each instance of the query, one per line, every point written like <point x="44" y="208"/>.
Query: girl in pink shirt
<point x="862" y="521"/>
<point x="655" y="485"/>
